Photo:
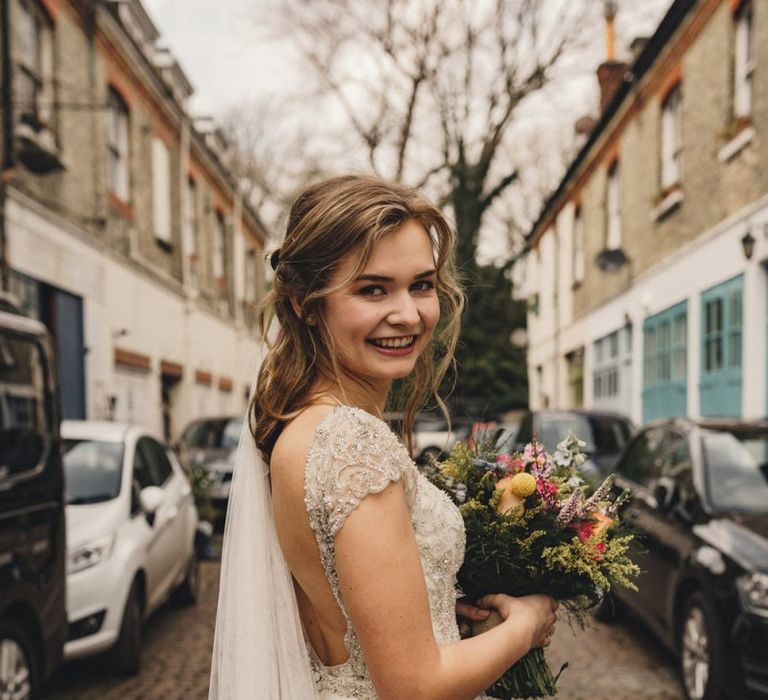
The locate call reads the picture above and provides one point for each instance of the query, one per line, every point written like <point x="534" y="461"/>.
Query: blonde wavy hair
<point x="327" y="221"/>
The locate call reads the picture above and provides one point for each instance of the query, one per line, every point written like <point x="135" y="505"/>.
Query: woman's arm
<point x="382" y="583"/>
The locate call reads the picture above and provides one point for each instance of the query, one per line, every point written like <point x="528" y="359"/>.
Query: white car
<point x="131" y="524"/>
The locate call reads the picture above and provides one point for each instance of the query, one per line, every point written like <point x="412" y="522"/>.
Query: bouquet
<point x="534" y="525"/>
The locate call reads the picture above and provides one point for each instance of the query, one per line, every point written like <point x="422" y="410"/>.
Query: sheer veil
<point x="259" y="651"/>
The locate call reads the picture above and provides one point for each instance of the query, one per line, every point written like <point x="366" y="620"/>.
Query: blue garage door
<point x="721" y="348"/>
<point x="665" y="363"/>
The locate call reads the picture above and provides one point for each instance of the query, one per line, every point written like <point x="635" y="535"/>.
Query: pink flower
<point x="548" y="492"/>
<point x="584" y="530"/>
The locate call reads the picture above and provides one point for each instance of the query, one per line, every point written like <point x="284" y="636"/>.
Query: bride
<point x="339" y="560"/>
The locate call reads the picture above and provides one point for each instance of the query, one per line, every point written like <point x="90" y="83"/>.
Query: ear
<point x="296" y="304"/>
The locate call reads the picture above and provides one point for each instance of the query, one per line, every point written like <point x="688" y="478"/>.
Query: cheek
<point x="431" y="314"/>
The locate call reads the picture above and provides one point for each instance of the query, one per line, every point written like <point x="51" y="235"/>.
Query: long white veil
<point x="259" y="651"/>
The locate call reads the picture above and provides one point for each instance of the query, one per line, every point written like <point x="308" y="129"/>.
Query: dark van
<point x="33" y="620"/>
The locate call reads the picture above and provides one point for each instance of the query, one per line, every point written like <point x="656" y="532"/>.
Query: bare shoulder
<point x="290" y="452"/>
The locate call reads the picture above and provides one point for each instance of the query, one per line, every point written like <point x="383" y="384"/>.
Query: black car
<point x="33" y="620"/>
<point x="700" y="503"/>
<point x="606" y="435"/>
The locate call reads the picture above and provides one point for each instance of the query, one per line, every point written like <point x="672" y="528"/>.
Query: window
<point x="251" y="275"/>
<point x="34" y="56"/>
<point x="578" y="247"/>
<point x="613" y="209"/>
<point x="161" y="190"/>
<point x="665" y="363"/>
<point x="639" y="463"/>
<point x="744" y="61"/>
<point x="157" y="459"/>
<point x="607" y="362"/>
<point x="713" y="334"/>
<point x="671" y="138"/>
<point x="219" y="247"/>
<point x="24" y="428"/>
<point x="118" y="145"/>
<point x="190" y="217"/>
<point x="191" y="229"/>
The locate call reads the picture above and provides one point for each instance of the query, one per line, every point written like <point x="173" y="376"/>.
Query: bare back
<point x="323" y="622"/>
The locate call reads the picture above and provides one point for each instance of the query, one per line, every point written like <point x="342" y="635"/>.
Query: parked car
<point x="33" y="620"/>
<point x="606" y="435"/>
<point x="433" y="437"/>
<point x="131" y="526"/>
<point x="210" y="444"/>
<point x="700" y="502"/>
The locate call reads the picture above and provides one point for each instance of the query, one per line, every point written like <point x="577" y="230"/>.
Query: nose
<point x="404" y="311"/>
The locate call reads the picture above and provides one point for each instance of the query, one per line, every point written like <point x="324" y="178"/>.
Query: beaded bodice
<point x="352" y="455"/>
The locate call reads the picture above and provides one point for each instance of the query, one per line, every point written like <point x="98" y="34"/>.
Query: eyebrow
<point x="383" y="278"/>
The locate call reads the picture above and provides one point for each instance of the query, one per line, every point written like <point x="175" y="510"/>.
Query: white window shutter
<point x="161" y="190"/>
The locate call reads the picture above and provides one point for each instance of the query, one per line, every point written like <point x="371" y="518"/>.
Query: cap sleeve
<point x="358" y="455"/>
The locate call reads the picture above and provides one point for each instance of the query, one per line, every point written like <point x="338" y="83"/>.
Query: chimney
<point x="610" y="73"/>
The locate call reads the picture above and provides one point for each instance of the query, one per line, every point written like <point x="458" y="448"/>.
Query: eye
<point x="372" y="290"/>
<point x="423" y="286"/>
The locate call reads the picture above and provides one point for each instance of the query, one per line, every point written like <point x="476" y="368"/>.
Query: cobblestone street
<point x="607" y="662"/>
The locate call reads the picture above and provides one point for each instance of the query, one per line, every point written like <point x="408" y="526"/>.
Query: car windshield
<point x="231" y="435"/>
<point x="601" y="433"/>
<point x="736" y="467"/>
<point x="92" y="471"/>
<point x="222" y="433"/>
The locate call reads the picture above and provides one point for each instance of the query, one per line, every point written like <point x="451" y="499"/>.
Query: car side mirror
<point x="665" y="492"/>
<point x="150" y="500"/>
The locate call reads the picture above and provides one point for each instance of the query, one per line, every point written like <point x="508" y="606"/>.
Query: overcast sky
<point x="229" y="60"/>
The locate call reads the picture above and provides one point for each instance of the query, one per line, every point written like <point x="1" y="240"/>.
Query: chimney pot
<point x="610" y="75"/>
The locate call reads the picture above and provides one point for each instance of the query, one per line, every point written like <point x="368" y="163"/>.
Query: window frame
<point x="118" y="146"/>
<point x="744" y="61"/>
<point x="672" y="138"/>
<point x="613" y="238"/>
<point x="579" y="260"/>
<point x="162" y="223"/>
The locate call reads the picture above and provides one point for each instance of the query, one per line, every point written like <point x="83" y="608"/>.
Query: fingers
<point x="491" y="600"/>
<point x="471" y="612"/>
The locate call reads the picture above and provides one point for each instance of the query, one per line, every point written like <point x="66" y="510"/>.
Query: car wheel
<point x="701" y="650"/>
<point x="189" y="588"/>
<point x="18" y="663"/>
<point x="126" y="654"/>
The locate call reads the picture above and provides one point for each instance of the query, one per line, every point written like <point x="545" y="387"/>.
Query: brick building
<point x="647" y="276"/>
<point x="122" y="224"/>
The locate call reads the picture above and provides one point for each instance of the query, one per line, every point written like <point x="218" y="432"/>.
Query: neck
<point x="370" y="397"/>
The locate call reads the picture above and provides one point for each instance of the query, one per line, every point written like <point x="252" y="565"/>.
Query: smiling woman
<point x="340" y="558"/>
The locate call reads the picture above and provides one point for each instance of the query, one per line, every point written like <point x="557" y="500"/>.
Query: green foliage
<point x="492" y="373"/>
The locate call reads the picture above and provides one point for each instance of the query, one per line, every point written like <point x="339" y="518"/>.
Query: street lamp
<point x="748" y="244"/>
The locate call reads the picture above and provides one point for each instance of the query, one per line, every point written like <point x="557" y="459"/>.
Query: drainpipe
<point x="6" y="100"/>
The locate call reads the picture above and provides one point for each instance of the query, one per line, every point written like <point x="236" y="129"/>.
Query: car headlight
<point x="89" y="554"/>
<point x="753" y="589"/>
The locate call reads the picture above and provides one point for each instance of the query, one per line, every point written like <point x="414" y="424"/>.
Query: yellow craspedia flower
<point x="522" y="485"/>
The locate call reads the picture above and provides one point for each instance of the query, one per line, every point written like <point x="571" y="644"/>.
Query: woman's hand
<point x="468" y="616"/>
<point x="538" y="611"/>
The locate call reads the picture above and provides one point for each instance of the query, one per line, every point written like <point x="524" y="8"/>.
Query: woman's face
<point x="383" y="319"/>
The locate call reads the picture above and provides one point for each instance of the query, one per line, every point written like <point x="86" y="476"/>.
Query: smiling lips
<point x="400" y="345"/>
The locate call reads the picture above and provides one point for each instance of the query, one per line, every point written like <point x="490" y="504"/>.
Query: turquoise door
<point x="721" y="348"/>
<point x="665" y="363"/>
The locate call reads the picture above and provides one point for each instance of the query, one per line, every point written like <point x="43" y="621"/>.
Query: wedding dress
<point x="260" y="651"/>
<point x="354" y="454"/>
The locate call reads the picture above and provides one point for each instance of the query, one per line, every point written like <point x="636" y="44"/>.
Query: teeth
<point x="394" y="342"/>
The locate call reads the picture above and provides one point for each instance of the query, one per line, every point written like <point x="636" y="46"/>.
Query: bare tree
<point x="431" y="88"/>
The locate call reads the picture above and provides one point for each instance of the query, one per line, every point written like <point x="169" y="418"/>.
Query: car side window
<point x="676" y="464"/>
<point x="142" y="477"/>
<point x="641" y="463"/>
<point x="23" y="419"/>
<point x="159" y="464"/>
<point x="525" y="433"/>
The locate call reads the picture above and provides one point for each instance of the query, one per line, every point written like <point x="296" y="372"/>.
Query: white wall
<point x="125" y="307"/>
